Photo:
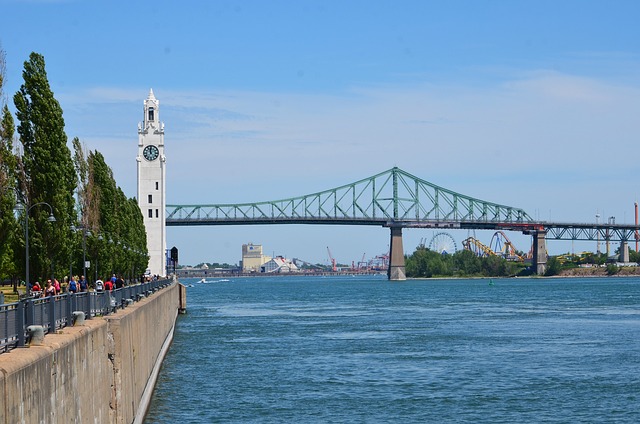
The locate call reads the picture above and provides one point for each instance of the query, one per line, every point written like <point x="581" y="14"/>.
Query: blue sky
<point x="530" y="104"/>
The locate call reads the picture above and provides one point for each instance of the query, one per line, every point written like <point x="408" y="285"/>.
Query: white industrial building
<point x="279" y="264"/>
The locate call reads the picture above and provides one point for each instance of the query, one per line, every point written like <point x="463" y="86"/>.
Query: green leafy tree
<point x="467" y="263"/>
<point x="553" y="266"/>
<point x="104" y="186"/>
<point x="8" y="224"/>
<point x="612" y="269"/>
<point x="123" y="249"/>
<point x="494" y="266"/>
<point x="634" y="256"/>
<point x="416" y="265"/>
<point x="426" y="263"/>
<point x="8" y="165"/>
<point x="48" y="174"/>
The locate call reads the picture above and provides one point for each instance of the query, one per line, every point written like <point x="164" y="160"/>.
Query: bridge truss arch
<point x="390" y="198"/>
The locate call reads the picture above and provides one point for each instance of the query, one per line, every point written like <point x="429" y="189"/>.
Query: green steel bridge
<point x="397" y="199"/>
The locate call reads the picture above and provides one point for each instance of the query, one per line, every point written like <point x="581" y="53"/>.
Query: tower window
<point x="156" y="185"/>
<point x="150" y="114"/>
<point x="156" y="213"/>
<point x="150" y="199"/>
<point x="150" y="213"/>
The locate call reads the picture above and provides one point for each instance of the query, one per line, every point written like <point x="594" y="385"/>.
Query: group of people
<point x="110" y="283"/>
<point x="75" y="285"/>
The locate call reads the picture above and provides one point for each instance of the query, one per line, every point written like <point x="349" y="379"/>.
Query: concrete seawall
<point x="99" y="372"/>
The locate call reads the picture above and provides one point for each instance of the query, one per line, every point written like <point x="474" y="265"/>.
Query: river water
<point x="366" y="350"/>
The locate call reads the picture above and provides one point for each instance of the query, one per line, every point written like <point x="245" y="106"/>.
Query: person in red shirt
<point x="108" y="285"/>
<point x="36" y="290"/>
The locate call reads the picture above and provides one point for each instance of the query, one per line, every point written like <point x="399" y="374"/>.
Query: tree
<point x="8" y="165"/>
<point x="494" y="266"/>
<point x="426" y="263"/>
<point x="634" y="256"/>
<point x="553" y="266"/>
<point x="48" y="174"/>
<point x="467" y="263"/>
<point x="124" y="248"/>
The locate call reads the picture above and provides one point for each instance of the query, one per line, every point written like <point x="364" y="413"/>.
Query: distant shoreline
<point x="625" y="271"/>
<point x="565" y="273"/>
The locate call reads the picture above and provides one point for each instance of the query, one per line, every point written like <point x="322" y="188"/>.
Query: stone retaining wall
<point x="93" y="373"/>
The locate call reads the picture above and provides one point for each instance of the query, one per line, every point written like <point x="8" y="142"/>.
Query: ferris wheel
<point x="443" y="243"/>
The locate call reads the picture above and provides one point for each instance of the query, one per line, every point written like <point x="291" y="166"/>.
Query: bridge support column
<point x="396" y="270"/>
<point x="624" y="252"/>
<point x="539" y="252"/>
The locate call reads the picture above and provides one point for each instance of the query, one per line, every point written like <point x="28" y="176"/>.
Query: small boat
<point x="204" y="280"/>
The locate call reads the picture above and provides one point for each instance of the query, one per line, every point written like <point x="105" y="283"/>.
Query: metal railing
<point x="56" y="312"/>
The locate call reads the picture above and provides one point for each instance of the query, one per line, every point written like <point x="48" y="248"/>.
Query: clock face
<point x="150" y="153"/>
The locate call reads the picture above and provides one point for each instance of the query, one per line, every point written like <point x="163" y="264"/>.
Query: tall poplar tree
<point x="48" y="170"/>
<point x="8" y="164"/>
<point x="123" y="249"/>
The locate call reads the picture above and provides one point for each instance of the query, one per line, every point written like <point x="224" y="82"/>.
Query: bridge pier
<point x="396" y="270"/>
<point x="624" y="252"/>
<point x="539" y="251"/>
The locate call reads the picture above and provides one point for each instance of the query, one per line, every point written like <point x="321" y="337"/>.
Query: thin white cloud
<point x="558" y="145"/>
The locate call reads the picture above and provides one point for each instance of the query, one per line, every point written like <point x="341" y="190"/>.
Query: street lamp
<point x="51" y="218"/>
<point x="84" y="249"/>
<point x="100" y="238"/>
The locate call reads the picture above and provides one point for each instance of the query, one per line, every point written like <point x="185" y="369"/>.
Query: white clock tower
<point x="151" y="183"/>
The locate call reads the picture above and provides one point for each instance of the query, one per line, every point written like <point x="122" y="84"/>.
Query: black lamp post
<point x="51" y="218"/>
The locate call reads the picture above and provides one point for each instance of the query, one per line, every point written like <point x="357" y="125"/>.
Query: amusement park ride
<point x="500" y="245"/>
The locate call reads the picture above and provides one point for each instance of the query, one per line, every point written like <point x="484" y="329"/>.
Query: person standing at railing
<point x="108" y="285"/>
<point x="56" y="285"/>
<point x="83" y="284"/>
<point x="50" y="290"/>
<point x="119" y="282"/>
<point x="36" y="290"/>
<point x="73" y="286"/>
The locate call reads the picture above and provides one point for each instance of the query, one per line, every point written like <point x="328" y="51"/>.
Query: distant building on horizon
<point x="279" y="264"/>
<point x="252" y="258"/>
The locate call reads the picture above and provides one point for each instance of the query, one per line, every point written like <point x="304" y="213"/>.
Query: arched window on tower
<point x="151" y="114"/>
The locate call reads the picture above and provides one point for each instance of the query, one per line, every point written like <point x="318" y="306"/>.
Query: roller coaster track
<point x="477" y="247"/>
<point x="500" y="245"/>
<point x="503" y="247"/>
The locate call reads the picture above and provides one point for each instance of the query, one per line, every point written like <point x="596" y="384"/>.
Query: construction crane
<point x="362" y="264"/>
<point x="380" y="262"/>
<point x="334" y="268"/>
